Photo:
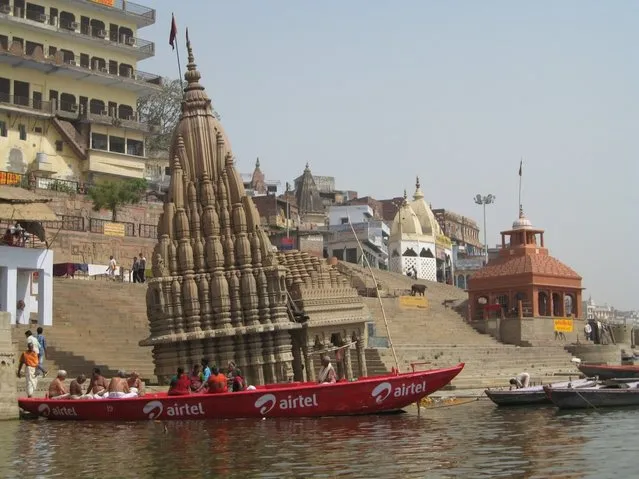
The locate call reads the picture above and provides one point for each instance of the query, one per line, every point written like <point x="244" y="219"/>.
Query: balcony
<point x="131" y="121"/>
<point x="128" y="44"/>
<point x="143" y="16"/>
<point x="74" y="68"/>
<point x="21" y="104"/>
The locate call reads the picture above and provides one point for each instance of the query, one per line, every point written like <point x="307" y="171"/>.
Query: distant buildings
<point x="609" y="314"/>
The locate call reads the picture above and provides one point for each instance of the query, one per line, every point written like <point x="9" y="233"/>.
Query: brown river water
<point x="473" y="440"/>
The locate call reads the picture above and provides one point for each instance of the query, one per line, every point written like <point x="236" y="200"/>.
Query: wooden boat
<point x="370" y="395"/>
<point x="605" y="371"/>
<point x="531" y="395"/>
<point x="607" y="393"/>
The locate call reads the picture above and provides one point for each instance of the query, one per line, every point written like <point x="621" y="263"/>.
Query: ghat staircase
<point x="96" y="323"/>
<point x="440" y="336"/>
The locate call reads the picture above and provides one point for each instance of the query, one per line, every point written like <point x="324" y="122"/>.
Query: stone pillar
<point x="23" y="292"/>
<point x="551" y="304"/>
<point x="308" y="359"/>
<point x="298" y="370"/>
<point x="520" y="309"/>
<point x="361" y="356"/>
<point x="269" y="358"/>
<point x="8" y="384"/>
<point x="347" y="363"/>
<point x="8" y="296"/>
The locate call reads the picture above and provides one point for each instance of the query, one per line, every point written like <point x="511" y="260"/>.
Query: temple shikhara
<point x="219" y="288"/>
<point x="524" y="280"/>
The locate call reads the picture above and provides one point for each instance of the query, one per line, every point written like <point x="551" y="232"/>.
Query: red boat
<point x="368" y="395"/>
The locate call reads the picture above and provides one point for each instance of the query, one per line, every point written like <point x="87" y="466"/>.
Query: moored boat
<point x="608" y="393"/>
<point x="606" y="371"/>
<point x="370" y="395"/>
<point x="531" y="395"/>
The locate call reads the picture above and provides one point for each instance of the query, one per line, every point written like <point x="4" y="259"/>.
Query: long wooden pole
<point x="381" y="303"/>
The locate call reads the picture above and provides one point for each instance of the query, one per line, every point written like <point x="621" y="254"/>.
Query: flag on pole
<point x="173" y="33"/>
<point x="520" y="165"/>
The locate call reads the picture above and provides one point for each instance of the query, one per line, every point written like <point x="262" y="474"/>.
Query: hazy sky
<point x="375" y="92"/>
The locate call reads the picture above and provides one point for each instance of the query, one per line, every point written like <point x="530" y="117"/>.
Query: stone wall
<point x="527" y="331"/>
<point x="82" y="247"/>
<point x="8" y="367"/>
<point x="80" y="205"/>
<point x="596" y="353"/>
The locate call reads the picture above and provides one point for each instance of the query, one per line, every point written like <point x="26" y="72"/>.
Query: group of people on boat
<point x="205" y="379"/>
<point x="121" y="386"/>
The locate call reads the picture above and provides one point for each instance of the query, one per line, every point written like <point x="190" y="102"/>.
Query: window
<point x="343" y="221"/>
<point x="67" y="103"/>
<point x="23" y="132"/>
<point x="84" y="60"/>
<point x="59" y="145"/>
<point x="4" y="42"/>
<point x="96" y="107"/>
<point x="3" y="128"/>
<point x="37" y="129"/>
<point x="117" y="144"/>
<point x="99" y="141"/>
<point x="135" y="147"/>
<point x="52" y="50"/>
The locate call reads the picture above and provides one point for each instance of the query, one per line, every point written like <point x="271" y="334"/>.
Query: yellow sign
<point x="113" y="229"/>
<point x="413" y="302"/>
<point x="563" y="325"/>
<point x="7" y="178"/>
<point x="108" y="3"/>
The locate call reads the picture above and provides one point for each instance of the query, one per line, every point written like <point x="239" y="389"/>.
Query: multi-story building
<point x="69" y="85"/>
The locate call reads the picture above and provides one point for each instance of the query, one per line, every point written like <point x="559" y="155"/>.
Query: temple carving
<point x="220" y="289"/>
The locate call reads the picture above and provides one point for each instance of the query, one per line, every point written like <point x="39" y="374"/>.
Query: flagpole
<point x="521" y="162"/>
<point x="172" y="39"/>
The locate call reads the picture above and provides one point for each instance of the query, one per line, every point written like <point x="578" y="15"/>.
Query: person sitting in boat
<point x="180" y="384"/>
<point x="217" y="383"/>
<point x="135" y="383"/>
<point x="520" y="381"/>
<point x="197" y="384"/>
<point x="98" y="384"/>
<point x="119" y="388"/>
<point x="206" y="370"/>
<point x="57" y="388"/>
<point x="238" y="381"/>
<point x="75" y="388"/>
<point x="327" y="372"/>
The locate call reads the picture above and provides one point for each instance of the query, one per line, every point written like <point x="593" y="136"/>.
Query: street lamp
<point x="485" y="200"/>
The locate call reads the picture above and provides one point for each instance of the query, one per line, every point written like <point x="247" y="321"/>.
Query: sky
<point x="376" y="92"/>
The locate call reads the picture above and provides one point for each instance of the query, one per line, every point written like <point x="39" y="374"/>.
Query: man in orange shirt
<point x="30" y="360"/>
<point x="217" y="383"/>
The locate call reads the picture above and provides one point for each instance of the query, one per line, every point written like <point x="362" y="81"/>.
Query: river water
<point x="471" y="440"/>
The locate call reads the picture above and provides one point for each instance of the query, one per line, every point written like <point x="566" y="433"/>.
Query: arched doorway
<point x="543" y="305"/>
<point x="461" y="281"/>
<point x="557" y="305"/>
<point x="569" y="301"/>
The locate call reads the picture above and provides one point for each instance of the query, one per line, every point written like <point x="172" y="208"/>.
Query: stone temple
<point x="221" y="290"/>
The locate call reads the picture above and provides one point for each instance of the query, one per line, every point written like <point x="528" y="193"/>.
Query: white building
<point x="417" y="244"/>
<point x="371" y="234"/>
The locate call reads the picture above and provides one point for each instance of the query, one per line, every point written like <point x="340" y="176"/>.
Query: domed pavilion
<point x="524" y="280"/>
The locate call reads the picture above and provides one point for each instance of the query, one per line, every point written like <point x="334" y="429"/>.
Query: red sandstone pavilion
<point x="524" y="280"/>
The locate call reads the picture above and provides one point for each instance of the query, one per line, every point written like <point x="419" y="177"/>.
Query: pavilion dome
<point x="522" y="223"/>
<point x="406" y="224"/>
<point x="430" y="225"/>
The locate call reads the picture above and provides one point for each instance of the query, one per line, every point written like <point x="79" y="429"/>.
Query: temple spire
<point x="192" y="75"/>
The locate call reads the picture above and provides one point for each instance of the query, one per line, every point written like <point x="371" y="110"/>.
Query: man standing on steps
<point x="29" y="359"/>
<point x="42" y="342"/>
<point x="142" y="268"/>
<point x="111" y="268"/>
<point x="33" y="341"/>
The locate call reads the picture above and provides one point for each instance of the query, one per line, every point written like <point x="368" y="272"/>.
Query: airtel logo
<point x="153" y="409"/>
<point x="265" y="403"/>
<point x="44" y="410"/>
<point x="381" y="392"/>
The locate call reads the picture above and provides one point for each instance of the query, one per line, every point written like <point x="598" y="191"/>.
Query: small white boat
<point x="533" y="395"/>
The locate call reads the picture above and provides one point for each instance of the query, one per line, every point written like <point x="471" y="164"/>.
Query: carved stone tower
<point x="218" y="290"/>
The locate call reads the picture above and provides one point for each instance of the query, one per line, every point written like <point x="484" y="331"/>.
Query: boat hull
<point x="370" y="395"/>
<point x="565" y="398"/>
<point x="604" y="371"/>
<point x="530" y="396"/>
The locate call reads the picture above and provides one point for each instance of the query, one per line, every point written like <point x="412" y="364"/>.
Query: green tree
<point x="113" y="194"/>
<point x="162" y="110"/>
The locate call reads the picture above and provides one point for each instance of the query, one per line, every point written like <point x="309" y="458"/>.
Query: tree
<point x="162" y="109"/>
<point x="113" y="194"/>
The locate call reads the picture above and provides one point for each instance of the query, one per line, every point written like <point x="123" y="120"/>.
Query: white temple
<point x="417" y="244"/>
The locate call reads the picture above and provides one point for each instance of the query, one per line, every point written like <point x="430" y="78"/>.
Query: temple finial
<point x="521" y="211"/>
<point x="192" y="75"/>
<point x="417" y="183"/>
<point x="257" y="162"/>
<point x="405" y="195"/>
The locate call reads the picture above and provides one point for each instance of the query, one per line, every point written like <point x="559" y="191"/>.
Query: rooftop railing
<point x="132" y="8"/>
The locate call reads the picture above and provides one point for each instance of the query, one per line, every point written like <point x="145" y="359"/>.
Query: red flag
<point x="173" y="33"/>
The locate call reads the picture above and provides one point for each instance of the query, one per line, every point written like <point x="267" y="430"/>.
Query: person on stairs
<point x="29" y="359"/>
<point x="31" y="339"/>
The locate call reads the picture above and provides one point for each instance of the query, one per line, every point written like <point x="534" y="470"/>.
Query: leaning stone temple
<point x="220" y="289"/>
